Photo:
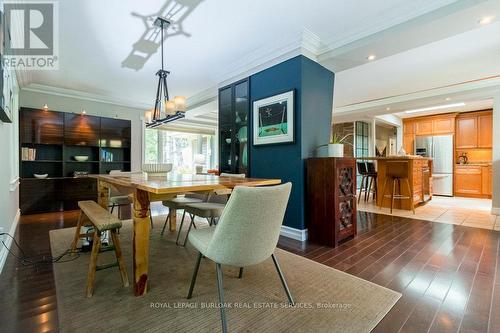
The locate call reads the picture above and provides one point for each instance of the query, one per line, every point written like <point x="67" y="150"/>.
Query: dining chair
<point x="247" y="234"/>
<point x="180" y="202"/>
<point x="210" y="210"/>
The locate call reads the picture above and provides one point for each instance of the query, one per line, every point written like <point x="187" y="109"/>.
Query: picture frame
<point x="273" y="119"/>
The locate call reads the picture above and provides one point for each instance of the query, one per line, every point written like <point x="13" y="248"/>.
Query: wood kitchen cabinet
<point x="485" y="130"/>
<point x="487" y="180"/>
<point x="423" y="127"/>
<point x="443" y="125"/>
<point x="466" y="136"/>
<point x="468" y="180"/>
<point x="409" y="143"/>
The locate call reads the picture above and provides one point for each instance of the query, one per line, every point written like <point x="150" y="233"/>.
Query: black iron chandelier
<point x="165" y="109"/>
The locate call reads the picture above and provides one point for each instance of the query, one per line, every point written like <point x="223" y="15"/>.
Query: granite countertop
<point x="474" y="164"/>
<point x="396" y="157"/>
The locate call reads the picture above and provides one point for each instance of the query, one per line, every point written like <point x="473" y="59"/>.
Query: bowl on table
<point x="157" y="169"/>
<point x="41" y="176"/>
<point x="81" y="158"/>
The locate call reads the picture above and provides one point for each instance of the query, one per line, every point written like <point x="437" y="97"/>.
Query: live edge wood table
<point x="146" y="190"/>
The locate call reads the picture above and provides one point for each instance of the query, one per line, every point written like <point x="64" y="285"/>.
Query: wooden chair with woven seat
<point x="396" y="172"/>
<point x="102" y="220"/>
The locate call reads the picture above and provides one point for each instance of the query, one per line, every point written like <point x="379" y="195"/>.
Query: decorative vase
<point x="335" y="150"/>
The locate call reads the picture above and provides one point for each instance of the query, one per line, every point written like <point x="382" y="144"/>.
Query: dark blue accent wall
<point x="313" y="86"/>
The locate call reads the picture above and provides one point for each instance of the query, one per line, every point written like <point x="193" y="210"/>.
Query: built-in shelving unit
<point x="57" y="138"/>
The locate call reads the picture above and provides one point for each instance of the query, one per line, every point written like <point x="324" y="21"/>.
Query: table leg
<point x="173" y="220"/>
<point x="141" y="241"/>
<point x="103" y="195"/>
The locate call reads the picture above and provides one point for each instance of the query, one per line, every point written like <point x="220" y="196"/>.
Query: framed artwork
<point x="273" y="119"/>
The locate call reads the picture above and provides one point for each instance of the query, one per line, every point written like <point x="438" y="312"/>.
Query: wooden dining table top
<point x="178" y="183"/>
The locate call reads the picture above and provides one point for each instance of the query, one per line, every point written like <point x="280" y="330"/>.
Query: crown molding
<point x="70" y="93"/>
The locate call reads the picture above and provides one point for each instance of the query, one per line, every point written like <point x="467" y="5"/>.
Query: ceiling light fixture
<point x="45" y="107"/>
<point x="437" y="107"/>
<point x="447" y="99"/>
<point x="486" y="20"/>
<point x="388" y="108"/>
<point x="84" y="112"/>
<point x="371" y="57"/>
<point x="165" y="109"/>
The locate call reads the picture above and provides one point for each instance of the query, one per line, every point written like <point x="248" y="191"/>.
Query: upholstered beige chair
<point x="210" y="210"/>
<point x="180" y="202"/>
<point x="247" y="234"/>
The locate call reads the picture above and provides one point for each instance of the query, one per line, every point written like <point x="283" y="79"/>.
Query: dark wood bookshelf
<point x="58" y="137"/>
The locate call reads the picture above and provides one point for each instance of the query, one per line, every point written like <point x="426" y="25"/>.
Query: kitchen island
<point x="420" y="177"/>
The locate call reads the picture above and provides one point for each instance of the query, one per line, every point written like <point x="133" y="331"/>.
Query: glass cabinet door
<point x="225" y="130"/>
<point x="241" y="127"/>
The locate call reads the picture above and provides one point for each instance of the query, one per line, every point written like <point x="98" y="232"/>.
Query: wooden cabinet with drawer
<point x="468" y="180"/>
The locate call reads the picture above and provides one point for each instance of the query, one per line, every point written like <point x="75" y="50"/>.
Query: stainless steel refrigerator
<point x="440" y="148"/>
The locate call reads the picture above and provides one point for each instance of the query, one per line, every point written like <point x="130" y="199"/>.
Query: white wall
<point x="74" y="104"/>
<point x="9" y="174"/>
<point x="496" y="156"/>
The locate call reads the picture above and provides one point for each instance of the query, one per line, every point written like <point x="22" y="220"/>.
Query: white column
<point x="496" y="156"/>
<point x="373" y="138"/>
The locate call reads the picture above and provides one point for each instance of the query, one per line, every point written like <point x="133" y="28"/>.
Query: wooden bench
<point x="102" y="221"/>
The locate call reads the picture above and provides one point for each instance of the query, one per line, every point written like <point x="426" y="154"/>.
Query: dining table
<point x="147" y="188"/>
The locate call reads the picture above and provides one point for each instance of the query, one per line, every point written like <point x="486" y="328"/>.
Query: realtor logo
<point x="31" y="35"/>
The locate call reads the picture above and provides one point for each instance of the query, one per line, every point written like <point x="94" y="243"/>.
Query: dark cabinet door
<point x="115" y="133"/>
<point x="41" y="127"/>
<point x="40" y="195"/>
<point x="241" y="116"/>
<point x="226" y="159"/>
<point x="81" y="130"/>
<point x="233" y="128"/>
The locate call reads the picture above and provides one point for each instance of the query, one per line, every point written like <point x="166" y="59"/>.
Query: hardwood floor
<point x="449" y="275"/>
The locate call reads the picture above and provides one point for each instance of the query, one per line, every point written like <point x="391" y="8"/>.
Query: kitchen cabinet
<point x="485" y="130"/>
<point x="409" y="143"/>
<point x="468" y="180"/>
<point x="487" y="180"/>
<point x="409" y="127"/>
<point x="443" y="125"/>
<point x="466" y="136"/>
<point x="423" y="127"/>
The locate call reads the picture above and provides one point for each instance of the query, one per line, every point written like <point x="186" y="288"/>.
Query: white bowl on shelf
<point x="157" y="168"/>
<point x="41" y="176"/>
<point x="81" y="158"/>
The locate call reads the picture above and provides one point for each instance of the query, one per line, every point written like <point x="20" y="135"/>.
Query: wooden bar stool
<point x="371" y="173"/>
<point x="102" y="220"/>
<point x="397" y="171"/>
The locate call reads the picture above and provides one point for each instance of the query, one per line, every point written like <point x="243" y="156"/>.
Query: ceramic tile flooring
<point x="468" y="212"/>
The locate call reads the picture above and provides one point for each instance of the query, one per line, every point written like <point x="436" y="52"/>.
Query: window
<point x="184" y="150"/>
<point x="362" y="133"/>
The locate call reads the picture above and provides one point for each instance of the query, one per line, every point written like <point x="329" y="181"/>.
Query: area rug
<point x="327" y="300"/>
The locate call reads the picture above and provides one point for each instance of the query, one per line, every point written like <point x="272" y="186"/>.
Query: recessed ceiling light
<point x="447" y="99"/>
<point x="437" y="107"/>
<point x="83" y="111"/>
<point x="371" y="57"/>
<point x="45" y="107"/>
<point x="486" y="20"/>
<point x="388" y="109"/>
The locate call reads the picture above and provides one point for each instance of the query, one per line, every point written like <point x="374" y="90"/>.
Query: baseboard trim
<point x="495" y="210"/>
<point x="8" y="241"/>
<point x="297" y="234"/>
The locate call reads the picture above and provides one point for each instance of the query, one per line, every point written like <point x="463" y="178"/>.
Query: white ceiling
<point x="419" y="44"/>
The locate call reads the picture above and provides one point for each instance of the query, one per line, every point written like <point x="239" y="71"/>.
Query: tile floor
<point x="468" y="212"/>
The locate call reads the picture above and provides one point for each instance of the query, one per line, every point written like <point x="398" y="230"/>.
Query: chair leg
<point x="411" y="195"/>
<point x="361" y="188"/>
<point x="112" y="208"/>
<point x="77" y="233"/>
<point x="382" y="194"/>
<point x="180" y="229"/>
<point x="368" y="188"/>
<point x="96" y="244"/>
<point x="221" y="298"/>
<point x="165" y="224"/>
<point x="189" y="229"/>
<point x="240" y="274"/>
<point x="150" y="218"/>
<point x="195" y="274"/>
<point x="282" y="278"/>
<point x="119" y="257"/>
<point x="375" y="189"/>
<point x="393" y="191"/>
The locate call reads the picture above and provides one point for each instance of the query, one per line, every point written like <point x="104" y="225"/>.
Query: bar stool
<point x="372" y="176"/>
<point x="361" y="166"/>
<point x="397" y="171"/>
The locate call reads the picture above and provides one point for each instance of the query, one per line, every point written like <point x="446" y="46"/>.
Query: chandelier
<point x="165" y="109"/>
